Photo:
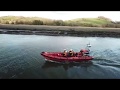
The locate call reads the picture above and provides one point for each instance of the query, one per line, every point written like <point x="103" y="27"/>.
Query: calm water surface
<point x="20" y="57"/>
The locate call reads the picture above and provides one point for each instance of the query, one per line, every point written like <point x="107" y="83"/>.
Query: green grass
<point x="89" y="22"/>
<point x="93" y="21"/>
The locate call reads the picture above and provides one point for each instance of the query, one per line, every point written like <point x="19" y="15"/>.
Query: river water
<point x="20" y="57"/>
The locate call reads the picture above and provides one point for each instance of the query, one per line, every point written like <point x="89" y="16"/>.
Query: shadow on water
<point x="66" y="66"/>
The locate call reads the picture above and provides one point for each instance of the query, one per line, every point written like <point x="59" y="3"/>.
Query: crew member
<point x="71" y="52"/>
<point x="65" y="52"/>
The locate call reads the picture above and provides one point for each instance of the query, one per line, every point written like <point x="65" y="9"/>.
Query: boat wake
<point x="66" y="66"/>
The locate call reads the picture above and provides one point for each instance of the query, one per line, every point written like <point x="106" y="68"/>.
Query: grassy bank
<point x="84" y="22"/>
<point x="59" y="30"/>
<point x="48" y="27"/>
<point x="96" y="27"/>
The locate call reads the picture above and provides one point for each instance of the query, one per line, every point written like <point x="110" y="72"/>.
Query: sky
<point x="64" y="15"/>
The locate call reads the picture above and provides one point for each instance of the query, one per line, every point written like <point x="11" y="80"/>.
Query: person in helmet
<point x="71" y="52"/>
<point x="65" y="52"/>
<point x="82" y="52"/>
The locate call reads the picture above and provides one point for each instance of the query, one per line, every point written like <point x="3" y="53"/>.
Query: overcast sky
<point x="64" y="15"/>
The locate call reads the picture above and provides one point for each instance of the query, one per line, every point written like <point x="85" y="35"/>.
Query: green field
<point x="87" y="22"/>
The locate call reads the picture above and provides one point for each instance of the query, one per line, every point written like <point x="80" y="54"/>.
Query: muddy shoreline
<point x="59" y="30"/>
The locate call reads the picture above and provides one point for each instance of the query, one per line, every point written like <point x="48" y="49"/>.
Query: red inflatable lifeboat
<point x="59" y="57"/>
<point x="83" y="55"/>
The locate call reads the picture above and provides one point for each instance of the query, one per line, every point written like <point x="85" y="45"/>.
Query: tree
<point x="58" y="22"/>
<point x="37" y="22"/>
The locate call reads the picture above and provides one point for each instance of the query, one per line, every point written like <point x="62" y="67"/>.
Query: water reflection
<point x="66" y="66"/>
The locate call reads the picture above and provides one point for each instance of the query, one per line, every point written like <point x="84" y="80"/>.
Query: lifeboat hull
<point x="58" y="57"/>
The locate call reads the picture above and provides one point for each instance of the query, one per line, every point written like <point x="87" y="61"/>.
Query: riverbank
<point x="59" y="30"/>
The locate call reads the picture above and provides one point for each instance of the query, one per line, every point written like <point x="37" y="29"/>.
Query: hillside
<point x="92" y="22"/>
<point x="87" y="22"/>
